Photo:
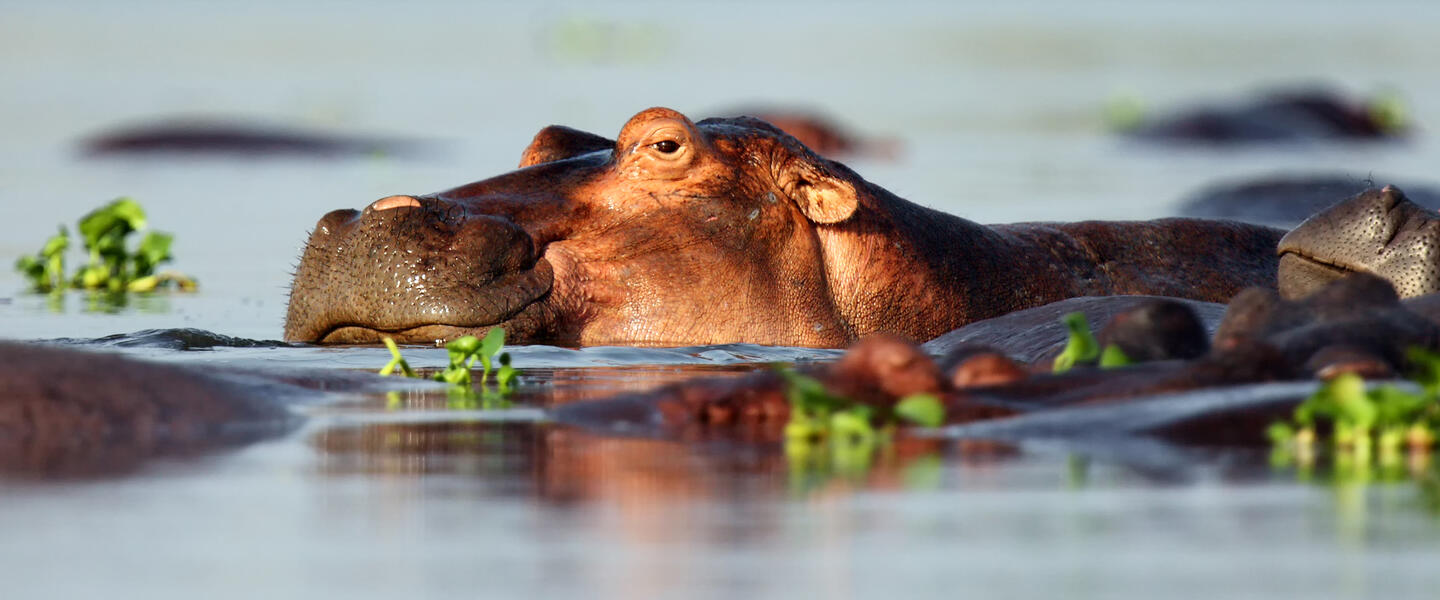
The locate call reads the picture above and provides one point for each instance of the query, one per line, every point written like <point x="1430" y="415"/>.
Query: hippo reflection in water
<point x="724" y="231"/>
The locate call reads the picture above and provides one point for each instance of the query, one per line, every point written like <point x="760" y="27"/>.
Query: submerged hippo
<point x="1281" y="116"/>
<point x="728" y="230"/>
<point x="1284" y="200"/>
<point x="1356" y="324"/>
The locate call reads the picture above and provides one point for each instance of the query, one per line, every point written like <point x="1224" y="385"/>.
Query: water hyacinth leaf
<point x="1113" y="357"/>
<point x="1353" y="405"/>
<point x="494" y="340"/>
<point x="921" y="409"/>
<point x="154" y="249"/>
<point x="121" y="216"/>
<point x="1081" y="346"/>
<point x="143" y="284"/>
<point x="505" y="375"/>
<point x="396" y="360"/>
<point x="57" y="244"/>
<point x="461" y="347"/>
<point x="1280" y="433"/>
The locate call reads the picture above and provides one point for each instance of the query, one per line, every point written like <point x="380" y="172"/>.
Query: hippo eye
<point x="666" y="146"/>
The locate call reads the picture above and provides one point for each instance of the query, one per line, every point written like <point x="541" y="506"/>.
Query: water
<point x="997" y="110"/>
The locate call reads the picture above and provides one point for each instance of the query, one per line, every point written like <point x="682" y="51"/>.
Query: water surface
<point x="997" y="111"/>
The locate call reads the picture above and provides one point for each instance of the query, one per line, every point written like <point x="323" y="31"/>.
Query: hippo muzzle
<point x="1379" y="232"/>
<point x="415" y="269"/>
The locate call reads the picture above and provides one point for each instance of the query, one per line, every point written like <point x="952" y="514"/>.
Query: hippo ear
<point x="822" y="196"/>
<point x="558" y="142"/>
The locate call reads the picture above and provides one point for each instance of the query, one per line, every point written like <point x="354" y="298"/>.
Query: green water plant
<point x="464" y="352"/>
<point x="828" y="433"/>
<point x="1081" y="347"/>
<point x="111" y="265"/>
<point x="1379" y="421"/>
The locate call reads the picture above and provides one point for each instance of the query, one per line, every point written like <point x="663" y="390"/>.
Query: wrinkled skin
<point x="725" y="231"/>
<point x="1379" y="232"/>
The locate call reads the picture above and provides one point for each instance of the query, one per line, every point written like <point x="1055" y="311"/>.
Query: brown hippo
<point x="210" y="137"/>
<point x="728" y="230"/>
<point x="822" y="134"/>
<point x="70" y="412"/>
<point x="1284" y="200"/>
<point x="1357" y="324"/>
<point x="1280" y="116"/>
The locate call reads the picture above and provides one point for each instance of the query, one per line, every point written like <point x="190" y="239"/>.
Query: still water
<point x="996" y="109"/>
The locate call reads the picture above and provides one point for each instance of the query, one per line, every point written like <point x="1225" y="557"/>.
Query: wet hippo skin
<point x="724" y="231"/>
<point x="1357" y="324"/>
<point x="69" y="412"/>
<point x="1378" y="231"/>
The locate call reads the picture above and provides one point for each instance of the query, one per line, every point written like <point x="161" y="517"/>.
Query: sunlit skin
<point x="729" y="230"/>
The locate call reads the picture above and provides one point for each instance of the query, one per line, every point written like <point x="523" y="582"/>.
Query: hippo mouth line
<point x="1303" y="274"/>
<point x="506" y="300"/>
<point x="1303" y="261"/>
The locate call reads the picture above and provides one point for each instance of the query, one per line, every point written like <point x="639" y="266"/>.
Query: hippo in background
<point x="1284" y="200"/>
<point x="233" y="137"/>
<point x="724" y="231"/>
<point x="1304" y="114"/>
<point x="821" y="134"/>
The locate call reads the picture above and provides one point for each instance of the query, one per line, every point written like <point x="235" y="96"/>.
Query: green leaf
<point x="143" y="284"/>
<point x="117" y="218"/>
<point x="57" y="244"/>
<point x="396" y="360"/>
<point x="505" y="376"/>
<point x="494" y="340"/>
<point x="154" y="249"/>
<point x="462" y="347"/>
<point x="1280" y="433"/>
<point x="922" y="409"/>
<point x="1112" y="357"/>
<point x="851" y="427"/>
<point x="1081" y="346"/>
<point x="1353" y="405"/>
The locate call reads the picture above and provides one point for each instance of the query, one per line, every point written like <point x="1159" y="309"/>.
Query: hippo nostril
<point x="390" y="202"/>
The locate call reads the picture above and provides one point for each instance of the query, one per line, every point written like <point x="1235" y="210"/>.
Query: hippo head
<point x="1378" y="231"/>
<point x="588" y="241"/>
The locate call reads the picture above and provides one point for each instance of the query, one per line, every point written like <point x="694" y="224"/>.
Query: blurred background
<point x="994" y="111"/>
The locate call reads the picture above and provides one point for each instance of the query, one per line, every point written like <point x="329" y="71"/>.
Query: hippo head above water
<point x="588" y="242"/>
<point x="728" y="230"/>
<point x="1379" y="231"/>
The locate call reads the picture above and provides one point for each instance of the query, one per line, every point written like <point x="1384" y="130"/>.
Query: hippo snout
<point x="413" y="268"/>
<point x="1378" y="231"/>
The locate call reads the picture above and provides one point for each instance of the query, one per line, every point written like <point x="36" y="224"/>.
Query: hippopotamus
<point x="1293" y="115"/>
<point x="69" y="412"/>
<point x="726" y="230"/>
<point x="234" y="137"/>
<point x="820" y="133"/>
<point x="1356" y="324"/>
<point x="1284" y="200"/>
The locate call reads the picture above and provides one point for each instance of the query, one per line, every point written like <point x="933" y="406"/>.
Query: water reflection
<point x="563" y="464"/>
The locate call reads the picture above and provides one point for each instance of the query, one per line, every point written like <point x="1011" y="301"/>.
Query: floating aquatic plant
<point x="1381" y="432"/>
<point x="463" y="353"/>
<point x="1081" y="347"/>
<point x="829" y="433"/>
<point x="111" y="266"/>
